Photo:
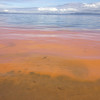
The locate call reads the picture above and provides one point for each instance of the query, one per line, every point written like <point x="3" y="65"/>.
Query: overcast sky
<point x="39" y="3"/>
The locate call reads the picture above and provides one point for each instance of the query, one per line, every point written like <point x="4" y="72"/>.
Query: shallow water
<point x="72" y="53"/>
<point x="47" y="60"/>
<point x="33" y="21"/>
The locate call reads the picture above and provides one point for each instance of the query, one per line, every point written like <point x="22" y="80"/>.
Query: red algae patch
<point x="2" y="46"/>
<point x="49" y="65"/>
<point x="79" y="69"/>
<point x="74" y="54"/>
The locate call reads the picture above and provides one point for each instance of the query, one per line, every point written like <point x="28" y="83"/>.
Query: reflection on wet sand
<point x="57" y="65"/>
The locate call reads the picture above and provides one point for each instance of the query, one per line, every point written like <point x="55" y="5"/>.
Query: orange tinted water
<point x="72" y="53"/>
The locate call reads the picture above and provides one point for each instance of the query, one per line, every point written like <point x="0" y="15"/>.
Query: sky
<point x="39" y="3"/>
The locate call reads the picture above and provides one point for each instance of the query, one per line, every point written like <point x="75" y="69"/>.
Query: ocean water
<point x="33" y="21"/>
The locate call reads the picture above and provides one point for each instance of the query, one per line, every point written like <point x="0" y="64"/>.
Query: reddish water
<point x="72" y="53"/>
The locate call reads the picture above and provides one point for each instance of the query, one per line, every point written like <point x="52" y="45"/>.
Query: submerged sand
<point x="32" y="86"/>
<point x="49" y="65"/>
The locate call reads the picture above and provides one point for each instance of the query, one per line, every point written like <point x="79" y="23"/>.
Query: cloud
<point x="93" y="8"/>
<point x="52" y="9"/>
<point x="93" y="5"/>
<point x="2" y="5"/>
<point x="90" y="5"/>
<point x="47" y="9"/>
<point x="6" y="10"/>
<point x="68" y="10"/>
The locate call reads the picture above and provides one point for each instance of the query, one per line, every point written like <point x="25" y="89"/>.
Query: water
<point x="33" y="21"/>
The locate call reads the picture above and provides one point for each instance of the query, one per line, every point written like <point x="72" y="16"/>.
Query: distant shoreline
<point x="54" y="13"/>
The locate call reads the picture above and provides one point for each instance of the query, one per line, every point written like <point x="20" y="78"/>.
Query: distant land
<point x="79" y="13"/>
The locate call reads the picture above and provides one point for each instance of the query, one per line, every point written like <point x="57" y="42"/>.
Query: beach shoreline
<point x="50" y="65"/>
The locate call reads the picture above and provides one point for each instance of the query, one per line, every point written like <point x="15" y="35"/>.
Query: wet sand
<point x="49" y="65"/>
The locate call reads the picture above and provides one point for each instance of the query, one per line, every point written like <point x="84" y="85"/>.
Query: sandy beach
<point x="49" y="65"/>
